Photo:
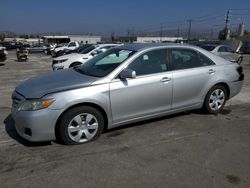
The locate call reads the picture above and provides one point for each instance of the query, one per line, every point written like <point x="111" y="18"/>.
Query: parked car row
<point x="83" y="55"/>
<point x="13" y="45"/>
<point x="68" y="51"/>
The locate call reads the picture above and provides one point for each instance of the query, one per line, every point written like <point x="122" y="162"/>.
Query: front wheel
<point x="76" y="64"/>
<point x="215" y="99"/>
<point x="80" y="125"/>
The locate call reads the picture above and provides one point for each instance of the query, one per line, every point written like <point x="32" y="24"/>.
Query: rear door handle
<point x="211" y="71"/>
<point x="165" y="79"/>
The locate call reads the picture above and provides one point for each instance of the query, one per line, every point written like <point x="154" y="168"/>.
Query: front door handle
<point x="211" y="71"/>
<point x="165" y="79"/>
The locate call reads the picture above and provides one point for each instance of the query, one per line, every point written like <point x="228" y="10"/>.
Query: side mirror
<point x="127" y="73"/>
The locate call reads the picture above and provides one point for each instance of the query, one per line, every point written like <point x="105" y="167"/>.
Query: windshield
<point x="208" y="47"/>
<point x="87" y="50"/>
<point x="82" y="47"/>
<point x="106" y="62"/>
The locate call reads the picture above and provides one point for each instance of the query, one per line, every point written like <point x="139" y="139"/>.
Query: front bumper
<point x="58" y="66"/>
<point x="36" y="126"/>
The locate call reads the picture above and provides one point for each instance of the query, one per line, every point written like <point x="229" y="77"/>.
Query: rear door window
<point x="184" y="59"/>
<point x="188" y="58"/>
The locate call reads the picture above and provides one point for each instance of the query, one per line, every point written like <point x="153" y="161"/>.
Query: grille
<point x="54" y="62"/>
<point x="17" y="99"/>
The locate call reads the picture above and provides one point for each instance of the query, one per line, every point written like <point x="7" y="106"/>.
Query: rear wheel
<point x="80" y="125"/>
<point x="215" y="99"/>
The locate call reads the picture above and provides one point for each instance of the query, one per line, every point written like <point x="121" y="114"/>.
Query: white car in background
<point x="76" y="59"/>
<point x="71" y="46"/>
<point x="224" y="51"/>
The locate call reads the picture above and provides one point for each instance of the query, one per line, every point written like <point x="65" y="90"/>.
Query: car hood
<point x="60" y="48"/>
<point x="72" y="55"/>
<point x="54" y="82"/>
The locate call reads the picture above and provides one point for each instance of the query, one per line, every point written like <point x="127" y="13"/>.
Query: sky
<point x="106" y="16"/>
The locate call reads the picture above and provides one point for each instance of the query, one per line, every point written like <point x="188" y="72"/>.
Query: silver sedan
<point x="125" y="84"/>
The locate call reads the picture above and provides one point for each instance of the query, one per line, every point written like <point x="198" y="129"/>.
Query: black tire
<point x="75" y="64"/>
<point x="68" y="117"/>
<point x="207" y="100"/>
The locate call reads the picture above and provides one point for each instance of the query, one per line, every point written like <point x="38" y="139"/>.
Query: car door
<point x="148" y="94"/>
<point x="192" y="74"/>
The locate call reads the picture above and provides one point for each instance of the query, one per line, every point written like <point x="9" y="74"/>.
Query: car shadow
<point x="11" y="131"/>
<point x="118" y="130"/>
<point x="154" y="120"/>
<point x="2" y="64"/>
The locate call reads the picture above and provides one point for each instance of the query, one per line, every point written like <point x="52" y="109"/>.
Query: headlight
<point x="36" y="104"/>
<point x="59" y="61"/>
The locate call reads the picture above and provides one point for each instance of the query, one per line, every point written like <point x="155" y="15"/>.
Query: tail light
<point x="240" y="71"/>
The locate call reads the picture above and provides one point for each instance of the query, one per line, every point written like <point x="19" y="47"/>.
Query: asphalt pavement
<point x="189" y="149"/>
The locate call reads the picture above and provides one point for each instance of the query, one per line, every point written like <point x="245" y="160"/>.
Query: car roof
<point x="214" y="45"/>
<point x="142" y="46"/>
<point x="107" y="44"/>
<point x="223" y="45"/>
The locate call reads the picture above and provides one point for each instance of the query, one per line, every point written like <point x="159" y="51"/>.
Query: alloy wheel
<point x="216" y="99"/>
<point x="83" y="127"/>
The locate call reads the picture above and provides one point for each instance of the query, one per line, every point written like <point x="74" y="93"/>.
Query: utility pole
<point x="161" y="32"/>
<point x="128" y="32"/>
<point x="227" y="23"/>
<point x="189" y="29"/>
<point x="178" y="31"/>
<point x="227" y="20"/>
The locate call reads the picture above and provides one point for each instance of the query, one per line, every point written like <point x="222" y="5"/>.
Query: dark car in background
<point x="38" y="48"/>
<point x="3" y="53"/>
<point x="12" y="45"/>
<point x="3" y="56"/>
<point x="223" y="51"/>
<point x="245" y="48"/>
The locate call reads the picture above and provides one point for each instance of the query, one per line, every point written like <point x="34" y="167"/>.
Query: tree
<point x="2" y="37"/>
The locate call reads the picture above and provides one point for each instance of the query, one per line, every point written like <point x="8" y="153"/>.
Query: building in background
<point x="158" y="39"/>
<point x="145" y="39"/>
<point x="90" y="39"/>
<point x="55" y="39"/>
